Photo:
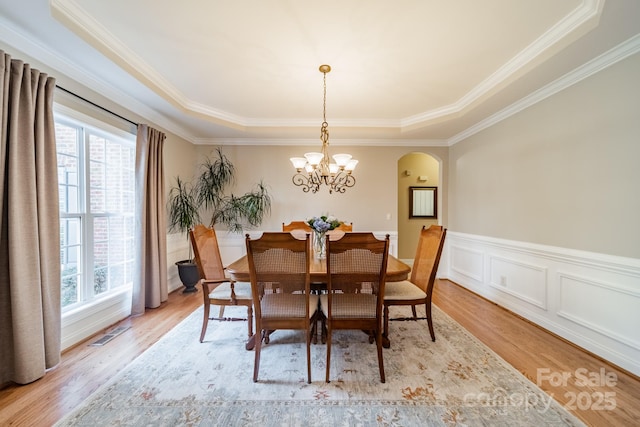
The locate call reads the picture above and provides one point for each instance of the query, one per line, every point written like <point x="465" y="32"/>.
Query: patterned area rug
<point x="454" y="381"/>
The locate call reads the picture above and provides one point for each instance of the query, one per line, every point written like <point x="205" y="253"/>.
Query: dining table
<point x="396" y="270"/>
<point x="239" y="271"/>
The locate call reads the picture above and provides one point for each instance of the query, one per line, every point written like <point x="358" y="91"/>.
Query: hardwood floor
<point x="544" y="358"/>
<point x="528" y="348"/>
<point x="84" y="368"/>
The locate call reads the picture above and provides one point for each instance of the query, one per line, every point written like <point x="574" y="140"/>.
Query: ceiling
<point x="407" y="72"/>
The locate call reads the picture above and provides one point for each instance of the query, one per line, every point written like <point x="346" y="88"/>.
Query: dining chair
<point x="356" y="270"/>
<point x="279" y="266"/>
<point x="296" y="225"/>
<point x="419" y="288"/>
<point x="346" y="227"/>
<point x="217" y="289"/>
<point x="299" y="229"/>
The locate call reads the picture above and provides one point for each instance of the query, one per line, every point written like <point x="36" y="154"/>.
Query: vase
<point x="189" y="275"/>
<point x="319" y="244"/>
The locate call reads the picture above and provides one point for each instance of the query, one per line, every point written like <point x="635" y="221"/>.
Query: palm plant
<point x="187" y="201"/>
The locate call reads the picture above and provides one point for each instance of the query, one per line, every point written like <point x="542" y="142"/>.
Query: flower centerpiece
<point x="320" y="225"/>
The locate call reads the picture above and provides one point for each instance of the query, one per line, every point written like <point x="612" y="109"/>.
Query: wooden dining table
<point x="396" y="270"/>
<point x="239" y="271"/>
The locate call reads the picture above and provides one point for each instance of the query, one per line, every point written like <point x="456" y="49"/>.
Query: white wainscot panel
<point x="524" y="281"/>
<point x="590" y="299"/>
<point x="233" y="246"/>
<point x="607" y="309"/>
<point x="468" y="262"/>
<point x="177" y="250"/>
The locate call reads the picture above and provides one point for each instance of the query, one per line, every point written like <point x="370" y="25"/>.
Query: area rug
<point x="454" y="381"/>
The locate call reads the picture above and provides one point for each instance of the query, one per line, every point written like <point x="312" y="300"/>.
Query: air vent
<point x="109" y="336"/>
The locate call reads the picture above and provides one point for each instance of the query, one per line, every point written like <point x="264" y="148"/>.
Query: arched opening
<point x="416" y="170"/>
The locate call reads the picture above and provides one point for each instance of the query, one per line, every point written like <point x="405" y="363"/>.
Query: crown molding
<point x="314" y="142"/>
<point x="581" y="15"/>
<point x="70" y="12"/>
<point x="587" y="10"/>
<point x="607" y="59"/>
<point x="56" y="61"/>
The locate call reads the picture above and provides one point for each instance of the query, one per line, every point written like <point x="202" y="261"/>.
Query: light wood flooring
<point x="528" y="348"/>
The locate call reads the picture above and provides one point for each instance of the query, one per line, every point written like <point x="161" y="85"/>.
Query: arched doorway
<point x="415" y="170"/>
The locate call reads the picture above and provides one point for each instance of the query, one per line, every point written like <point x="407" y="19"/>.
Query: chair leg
<point x="380" y="361"/>
<point x="328" y="352"/>
<point x="313" y="328"/>
<point x="385" y="334"/>
<point x="430" y="321"/>
<point x="250" y="320"/>
<point x="221" y="312"/>
<point x="413" y="311"/>
<point x="256" y="362"/>
<point x="323" y="327"/>
<point x="205" y="321"/>
<point x="309" y="356"/>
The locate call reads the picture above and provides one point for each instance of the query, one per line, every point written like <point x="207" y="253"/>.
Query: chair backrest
<point x="425" y="264"/>
<point x="278" y="263"/>
<point x="296" y="225"/>
<point x="298" y="229"/>
<point x="357" y="263"/>
<point x="207" y="252"/>
<point x="346" y="227"/>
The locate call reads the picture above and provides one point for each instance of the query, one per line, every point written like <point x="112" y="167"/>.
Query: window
<point x="97" y="200"/>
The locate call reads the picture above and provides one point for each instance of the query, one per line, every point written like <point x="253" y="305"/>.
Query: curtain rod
<point x="96" y="105"/>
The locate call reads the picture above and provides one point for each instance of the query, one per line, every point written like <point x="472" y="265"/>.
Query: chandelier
<point x="315" y="169"/>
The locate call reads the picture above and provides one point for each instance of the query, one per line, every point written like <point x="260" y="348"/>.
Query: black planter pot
<point x="189" y="275"/>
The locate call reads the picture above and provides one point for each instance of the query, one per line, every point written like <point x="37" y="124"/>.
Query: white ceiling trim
<point x="607" y="59"/>
<point x="70" y="12"/>
<point x="580" y="16"/>
<point x="56" y="61"/>
<point x="314" y="142"/>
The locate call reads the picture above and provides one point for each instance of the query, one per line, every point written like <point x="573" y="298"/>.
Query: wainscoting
<point x="590" y="299"/>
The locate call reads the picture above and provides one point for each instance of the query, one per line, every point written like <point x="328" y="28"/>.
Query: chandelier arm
<point x="342" y="181"/>
<point x="300" y="180"/>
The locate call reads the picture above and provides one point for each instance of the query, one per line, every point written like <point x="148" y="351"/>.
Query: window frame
<point x="88" y="126"/>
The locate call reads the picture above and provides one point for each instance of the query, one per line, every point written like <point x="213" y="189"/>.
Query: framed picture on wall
<point x="423" y="202"/>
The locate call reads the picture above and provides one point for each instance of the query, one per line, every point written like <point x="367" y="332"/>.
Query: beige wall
<point x="563" y="172"/>
<point x="366" y="204"/>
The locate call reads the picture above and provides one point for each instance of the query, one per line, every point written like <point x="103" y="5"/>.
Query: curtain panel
<point x="29" y="224"/>
<point x="150" y="287"/>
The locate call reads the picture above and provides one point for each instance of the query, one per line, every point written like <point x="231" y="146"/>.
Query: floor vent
<point x="109" y="336"/>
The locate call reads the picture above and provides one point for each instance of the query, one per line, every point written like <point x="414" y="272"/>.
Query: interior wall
<point x="371" y="204"/>
<point x="414" y="170"/>
<point x="563" y="172"/>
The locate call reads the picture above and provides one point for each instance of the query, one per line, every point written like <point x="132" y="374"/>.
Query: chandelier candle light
<point x="314" y="169"/>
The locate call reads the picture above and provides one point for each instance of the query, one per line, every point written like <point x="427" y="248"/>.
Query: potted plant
<point x="208" y="194"/>
<point x="183" y="216"/>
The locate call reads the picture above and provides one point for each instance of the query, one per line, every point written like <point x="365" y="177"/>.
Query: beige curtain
<point x="150" y="287"/>
<point x="29" y="225"/>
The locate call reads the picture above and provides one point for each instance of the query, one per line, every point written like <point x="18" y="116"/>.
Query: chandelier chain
<point x="315" y="169"/>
